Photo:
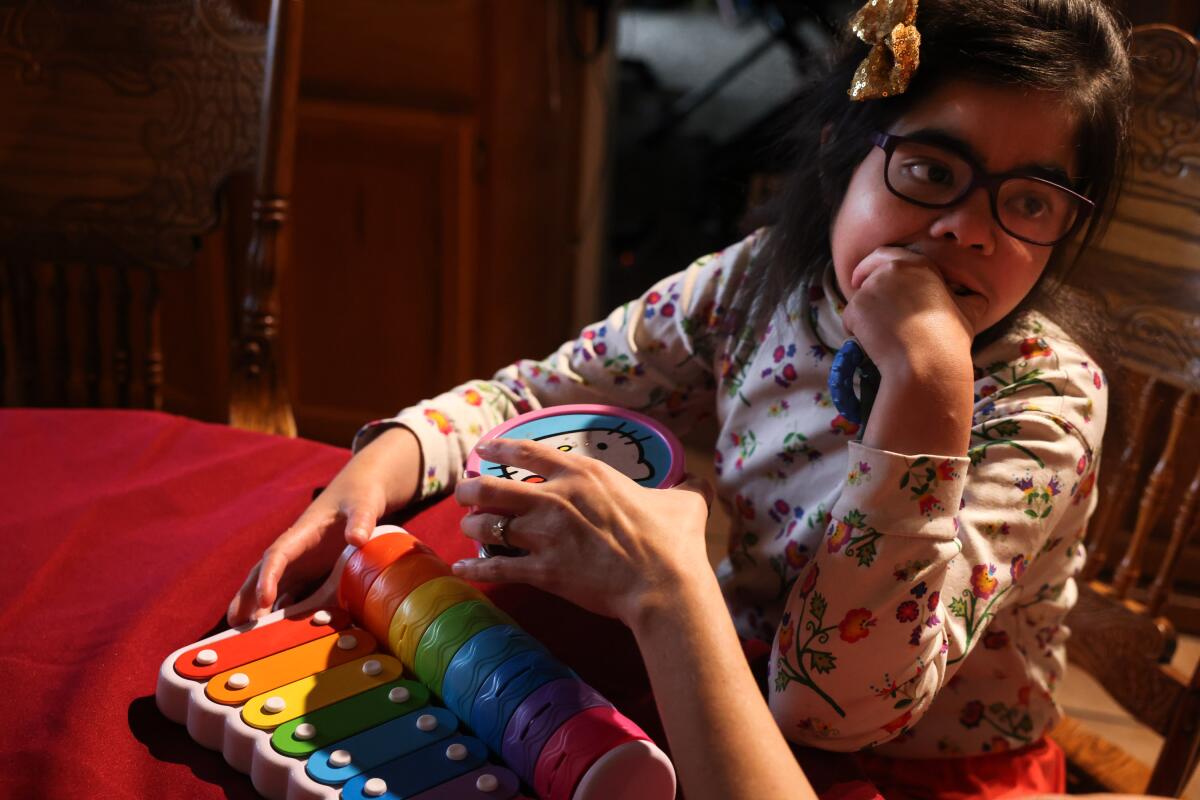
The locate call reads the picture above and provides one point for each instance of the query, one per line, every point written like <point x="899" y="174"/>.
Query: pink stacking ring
<point x="577" y="745"/>
<point x="539" y="716"/>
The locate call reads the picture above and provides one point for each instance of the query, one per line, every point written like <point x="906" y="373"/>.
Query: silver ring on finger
<point x="500" y="530"/>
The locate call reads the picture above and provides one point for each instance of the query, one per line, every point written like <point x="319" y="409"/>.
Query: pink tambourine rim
<point x="674" y="471"/>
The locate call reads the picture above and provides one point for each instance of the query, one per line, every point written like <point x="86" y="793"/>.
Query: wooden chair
<point x="1143" y="284"/>
<point x="121" y="122"/>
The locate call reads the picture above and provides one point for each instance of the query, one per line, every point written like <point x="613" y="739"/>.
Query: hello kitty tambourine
<point x="632" y="443"/>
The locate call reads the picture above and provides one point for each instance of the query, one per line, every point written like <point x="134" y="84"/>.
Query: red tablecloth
<point x="125" y="534"/>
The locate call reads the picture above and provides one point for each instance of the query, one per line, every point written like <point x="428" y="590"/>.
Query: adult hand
<point x="594" y="537"/>
<point x="378" y="478"/>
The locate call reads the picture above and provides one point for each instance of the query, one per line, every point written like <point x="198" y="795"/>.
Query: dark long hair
<point x="1074" y="48"/>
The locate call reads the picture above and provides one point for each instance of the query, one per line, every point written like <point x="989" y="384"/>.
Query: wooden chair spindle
<point x="1109" y="516"/>
<point x="1183" y="531"/>
<point x="1150" y="507"/>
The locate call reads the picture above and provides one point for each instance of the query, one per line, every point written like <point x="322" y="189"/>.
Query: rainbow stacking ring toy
<point x="632" y="443"/>
<point x="398" y="680"/>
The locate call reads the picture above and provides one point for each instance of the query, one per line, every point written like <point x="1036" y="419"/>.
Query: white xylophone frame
<point x="636" y="770"/>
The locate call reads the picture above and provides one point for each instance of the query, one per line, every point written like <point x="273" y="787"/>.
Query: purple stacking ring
<point x="539" y="716"/>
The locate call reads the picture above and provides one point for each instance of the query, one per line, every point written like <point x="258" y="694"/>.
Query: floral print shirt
<point x="915" y="602"/>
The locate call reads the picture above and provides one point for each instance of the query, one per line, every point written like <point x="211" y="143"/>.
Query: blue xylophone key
<point x="345" y="759"/>
<point x="414" y="773"/>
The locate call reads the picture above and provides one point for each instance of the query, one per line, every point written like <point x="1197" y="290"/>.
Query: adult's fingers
<point x="499" y="495"/>
<point x="481" y="528"/>
<point x="535" y="456"/>
<point x="500" y="569"/>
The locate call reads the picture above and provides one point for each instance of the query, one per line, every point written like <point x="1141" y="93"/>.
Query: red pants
<point x="1040" y="768"/>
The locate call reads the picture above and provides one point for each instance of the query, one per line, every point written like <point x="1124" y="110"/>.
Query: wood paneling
<point x="385" y="226"/>
<point x="436" y="230"/>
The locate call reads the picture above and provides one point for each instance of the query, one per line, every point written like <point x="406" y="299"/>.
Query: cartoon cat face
<point x="618" y="448"/>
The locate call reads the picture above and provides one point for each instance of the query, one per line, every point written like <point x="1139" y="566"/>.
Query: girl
<point x="913" y="574"/>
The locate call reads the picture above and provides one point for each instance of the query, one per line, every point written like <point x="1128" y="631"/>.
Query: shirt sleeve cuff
<point x="905" y="495"/>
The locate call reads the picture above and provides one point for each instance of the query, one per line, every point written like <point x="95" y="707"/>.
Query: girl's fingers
<point x="535" y="456"/>
<point x="243" y="602"/>
<point x="359" y="524"/>
<point x="274" y="562"/>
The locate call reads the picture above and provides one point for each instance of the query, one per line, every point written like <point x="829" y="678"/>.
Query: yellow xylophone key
<point x="235" y="686"/>
<point x="271" y="709"/>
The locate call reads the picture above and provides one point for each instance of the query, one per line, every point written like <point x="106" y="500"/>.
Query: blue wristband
<point x="850" y="359"/>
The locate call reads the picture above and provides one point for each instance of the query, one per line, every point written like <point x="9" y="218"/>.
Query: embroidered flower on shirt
<point x="922" y="478"/>
<point x="1039" y="498"/>
<point x="856" y="625"/>
<point x="1084" y="488"/>
<point x="983" y="580"/>
<point x="839" y="537"/>
<point x="746" y="443"/>
<point x="433" y="483"/>
<point x="744" y="506"/>
<point x="840" y="424"/>
<point x="994" y="530"/>
<point x="1035" y="347"/>
<point x="1018" y="566"/>
<point x="787" y="632"/>
<point x="810" y="580"/>
<point x="908" y="611"/>
<point x="860" y="474"/>
<point x="971" y="715"/>
<point x="439" y="421"/>
<point x="909" y="569"/>
<point x="853" y="533"/>
<point x="590" y="343"/>
<point x="795" y="555"/>
<point x="995" y="640"/>
<point x="796" y="444"/>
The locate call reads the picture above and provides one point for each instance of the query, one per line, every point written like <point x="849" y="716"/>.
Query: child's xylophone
<point x="338" y="695"/>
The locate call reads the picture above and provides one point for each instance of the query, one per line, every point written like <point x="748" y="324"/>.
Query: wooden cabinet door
<point x="383" y="242"/>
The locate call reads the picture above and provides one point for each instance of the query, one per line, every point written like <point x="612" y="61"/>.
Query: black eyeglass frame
<point x="887" y="143"/>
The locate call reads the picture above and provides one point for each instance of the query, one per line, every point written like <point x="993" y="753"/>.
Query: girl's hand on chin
<point x="594" y="536"/>
<point x="906" y="318"/>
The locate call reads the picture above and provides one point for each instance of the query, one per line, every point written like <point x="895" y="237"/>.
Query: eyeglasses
<point x="1029" y="208"/>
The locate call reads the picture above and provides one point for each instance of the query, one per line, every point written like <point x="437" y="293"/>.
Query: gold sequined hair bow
<point x="886" y="25"/>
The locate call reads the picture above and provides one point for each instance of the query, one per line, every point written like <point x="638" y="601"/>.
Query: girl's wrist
<point x="394" y="456"/>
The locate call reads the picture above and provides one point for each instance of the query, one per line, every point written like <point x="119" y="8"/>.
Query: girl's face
<point x="988" y="270"/>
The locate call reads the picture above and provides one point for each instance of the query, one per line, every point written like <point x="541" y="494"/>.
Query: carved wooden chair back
<point x="1143" y="282"/>
<point x="121" y="123"/>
